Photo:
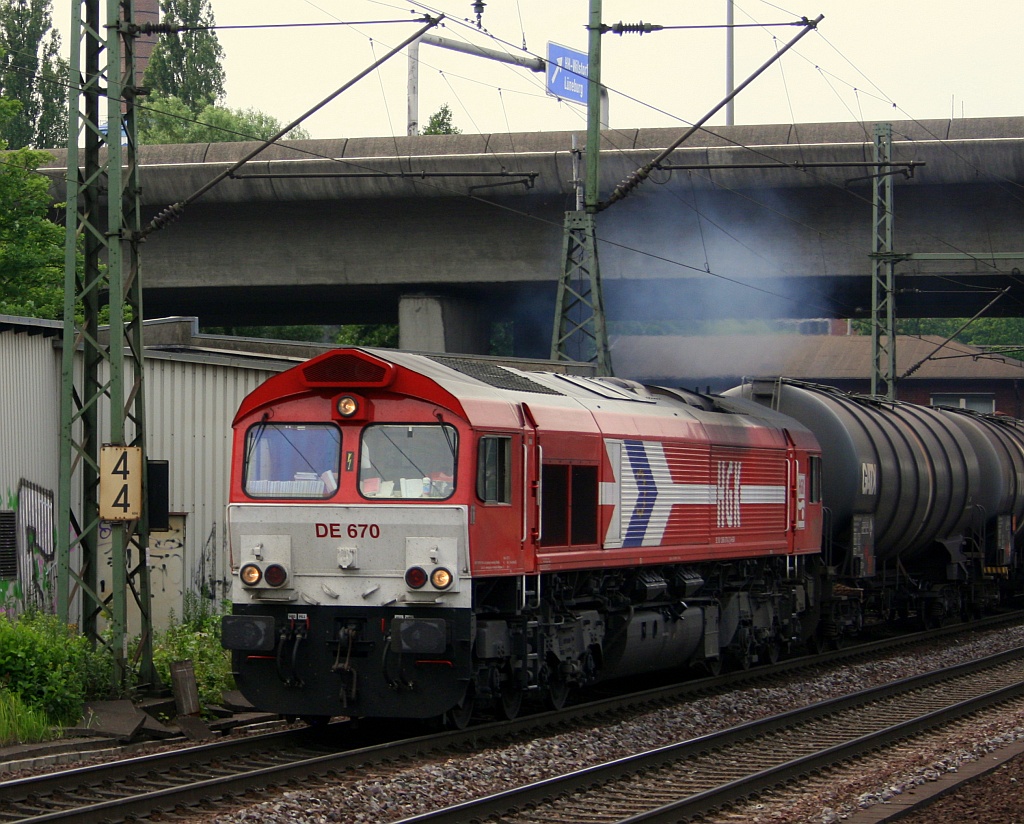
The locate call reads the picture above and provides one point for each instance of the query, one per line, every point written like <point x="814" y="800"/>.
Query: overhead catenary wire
<point x="960" y="329"/>
<point x="635" y="250"/>
<point x="495" y="39"/>
<point x="706" y="269"/>
<point x="175" y="209"/>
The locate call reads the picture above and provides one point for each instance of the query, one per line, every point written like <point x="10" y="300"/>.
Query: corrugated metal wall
<point x="29" y="413"/>
<point x="190" y="402"/>
<point x="189" y="407"/>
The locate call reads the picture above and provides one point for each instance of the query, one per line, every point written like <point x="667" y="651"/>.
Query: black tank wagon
<point x="923" y="505"/>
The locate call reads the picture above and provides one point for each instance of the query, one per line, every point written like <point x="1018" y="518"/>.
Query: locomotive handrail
<point x="791" y="473"/>
<point x="526" y="492"/>
<point x="540" y="493"/>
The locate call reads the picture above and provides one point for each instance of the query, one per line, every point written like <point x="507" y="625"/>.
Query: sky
<point x="868" y="60"/>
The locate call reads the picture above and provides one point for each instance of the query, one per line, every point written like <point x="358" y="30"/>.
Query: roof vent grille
<point x="348" y="368"/>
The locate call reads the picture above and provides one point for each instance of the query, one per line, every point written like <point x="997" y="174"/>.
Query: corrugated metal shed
<point x="191" y="396"/>
<point x="29" y="457"/>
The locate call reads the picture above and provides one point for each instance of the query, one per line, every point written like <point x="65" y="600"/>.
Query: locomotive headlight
<point x="275" y="575"/>
<point x="441" y="578"/>
<point x="415" y="577"/>
<point x="347" y="406"/>
<point x="250" y="575"/>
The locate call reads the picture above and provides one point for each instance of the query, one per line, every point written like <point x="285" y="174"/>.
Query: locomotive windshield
<point x="408" y="461"/>
<point x="292" y="460"/>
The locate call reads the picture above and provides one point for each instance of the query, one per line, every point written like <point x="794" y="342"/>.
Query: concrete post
<point x="432" y="323"/>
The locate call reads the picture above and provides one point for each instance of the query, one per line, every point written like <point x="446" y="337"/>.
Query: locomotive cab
<point x="349" y="536"/>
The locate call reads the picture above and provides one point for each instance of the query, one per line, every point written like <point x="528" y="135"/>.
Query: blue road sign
<point x="567" y="73"/>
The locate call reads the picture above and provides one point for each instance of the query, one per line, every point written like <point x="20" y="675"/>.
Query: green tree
<point x="31" y="246"/>
<point x="169" y="120"/>
<point x="33" y="73"/>
<point x="441" y="122"/>
<point x="187" y="64"/>
<point x="383" y="335"/>
<point x="1002" y="333"/>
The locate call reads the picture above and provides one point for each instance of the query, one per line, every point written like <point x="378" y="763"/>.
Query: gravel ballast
<point x="439" y="782"/>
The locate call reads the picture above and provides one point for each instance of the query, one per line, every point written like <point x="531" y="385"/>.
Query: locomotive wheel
<point x="557" y="694"/>
<point x="460" y="716"/>
<point x="510" y="701"/>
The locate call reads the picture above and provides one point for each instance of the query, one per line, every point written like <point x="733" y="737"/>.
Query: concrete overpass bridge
<point x="449" y="234"/>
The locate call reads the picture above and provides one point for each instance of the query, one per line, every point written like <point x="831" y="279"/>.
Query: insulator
<point x="478" y="7"/>
<point x="168" y="215"/>
<point x="621" y="28"/>
<point x="158" y="28"/>
<point x="628" y="185"/>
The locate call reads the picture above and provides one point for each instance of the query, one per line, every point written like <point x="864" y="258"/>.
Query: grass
<point x="21" y="724"/>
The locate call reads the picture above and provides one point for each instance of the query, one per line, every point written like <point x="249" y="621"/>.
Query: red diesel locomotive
<point x="416" y="536"/>
<point x="429" y="536"/>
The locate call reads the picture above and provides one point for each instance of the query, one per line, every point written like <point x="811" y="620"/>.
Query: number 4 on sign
<point x="120" y="483"/>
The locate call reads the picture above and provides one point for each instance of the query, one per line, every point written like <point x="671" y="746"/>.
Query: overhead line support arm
<point x="174" y="210"/>
<point x="641" y="174"/>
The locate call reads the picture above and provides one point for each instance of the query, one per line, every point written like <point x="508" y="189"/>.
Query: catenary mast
<point x="103" y="461"/>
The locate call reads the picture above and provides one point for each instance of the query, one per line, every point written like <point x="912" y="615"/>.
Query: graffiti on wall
<point x="31" y="579"/>
<point x="35" y="584"/>
<point x="165" y="559"/>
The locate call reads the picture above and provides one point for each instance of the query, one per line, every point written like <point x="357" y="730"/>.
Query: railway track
<point x="701" y="777"/>
<point x="230" y="772"/>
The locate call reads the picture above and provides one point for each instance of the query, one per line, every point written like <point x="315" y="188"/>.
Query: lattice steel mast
<point x="580" y="331"/>
<point x="102" y="468"/>
<point x="883" y="310"/>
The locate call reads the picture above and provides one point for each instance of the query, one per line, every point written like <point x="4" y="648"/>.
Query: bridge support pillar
<point x="431" y="323"/>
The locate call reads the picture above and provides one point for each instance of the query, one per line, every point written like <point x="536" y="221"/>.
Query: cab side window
<point x="814" y="485"/>
<point x="494" y="469"/>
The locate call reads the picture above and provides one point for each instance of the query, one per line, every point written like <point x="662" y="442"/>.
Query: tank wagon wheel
<point x="316" y="721"/>
<point x="772" y="650"/>
<point x="932" y="614"/>
<point x="713" y="666"/>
